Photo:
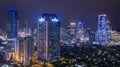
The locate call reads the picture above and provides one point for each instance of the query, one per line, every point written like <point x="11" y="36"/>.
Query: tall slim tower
<point x="102" y="29"/>
<point x="72" y="33"/>
<point x="48" y="36"/>
<point x="12" y="23"/>
<point x="80" y="32"/>
<point x="109" y="31"/>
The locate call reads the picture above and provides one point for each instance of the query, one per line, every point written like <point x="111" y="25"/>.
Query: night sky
<point x="68" y="10"/>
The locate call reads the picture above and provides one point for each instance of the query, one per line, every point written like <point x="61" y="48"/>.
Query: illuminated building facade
<point x="102" y="29"/>
<point x="19" y="52"/>
<point x="71" y="30"/>
<point x="12" y="23"/>
<point x="115" y="38"/>
<point x="48" y="36"/>
<point x="63" y="36"/>
<point x="80" y="33"/>
<point x="89" y="36"/>
<point x="24" y="48"/>
<point x="109" y="30"/>
<point x="28" y="47"/>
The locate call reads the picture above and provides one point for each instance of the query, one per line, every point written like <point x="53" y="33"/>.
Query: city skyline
<point x="64" y="33"/>
<point x="68" y="11"/>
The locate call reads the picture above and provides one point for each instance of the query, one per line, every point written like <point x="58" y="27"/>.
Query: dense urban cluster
<point x="50" y="45"/>
<point x="90" y="56"/>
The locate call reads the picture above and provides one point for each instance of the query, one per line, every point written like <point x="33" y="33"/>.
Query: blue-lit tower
<point x="48" y="36"/>
<point x="102" y="29"/>
<point x="12" y="23"/>
<point x="80" y="32"/>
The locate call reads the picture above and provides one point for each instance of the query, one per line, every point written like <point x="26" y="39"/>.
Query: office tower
<point x="48" y="36"/>
<point x="112" y="35"/>
<point x="27" y="30"/>
<point x="102" y="29"/>
<point x="23" y="32"/>
<point x="89" y="36"/>
<point x="80" y="33"/>
<point x="28" y="47"/>
<point x="12" y="23"/>
<point x="33" y="31"/>
<point x="72" y="33"/>
<point x="63" y="36"/>
<point x="24" y="48"/>
<point x="109" y="31"/>
<point x="19" y="52"/>
<point x="115" y="38"/>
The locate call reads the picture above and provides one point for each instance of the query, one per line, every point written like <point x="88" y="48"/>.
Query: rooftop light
<point x="54" y="20"/>
<point x="41" y="19"/>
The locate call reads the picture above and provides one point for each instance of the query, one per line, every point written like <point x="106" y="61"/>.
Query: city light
<point x="41" y="19"/>
<point x="80" y="23"/>
<point x="5" y="42"/>
<point x="55" y="19"/>
<point x="50" y="44"/>
<point x="73" y="24"/>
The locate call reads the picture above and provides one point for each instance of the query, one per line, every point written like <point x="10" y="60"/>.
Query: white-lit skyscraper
<point x="71" y="30"/>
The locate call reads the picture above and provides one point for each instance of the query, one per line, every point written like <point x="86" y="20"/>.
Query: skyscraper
<point x="12" y="23"/>
<point x="102" y="29"/>
<point x="72" y="33"/>
<point x="48" y="36"/>
<point x="80" y="32"/>
<point x="24" y="48"/>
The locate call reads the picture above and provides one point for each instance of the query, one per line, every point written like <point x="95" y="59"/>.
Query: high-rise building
<point x="64" y="36"/>
<point x="109" y="31"/>
<point x="71" y="30"/>
<point x="24" y="48"/>
<point x="19" y="52"/>
<point x="80" y="33"/>
<point x="102" y="29"/>
<point x="115" y="38"/>
<point x="12" y="23"/>
<point x="89" y="36"/>
<point x="48" y="36"/>
<point x="28" y="47"/>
